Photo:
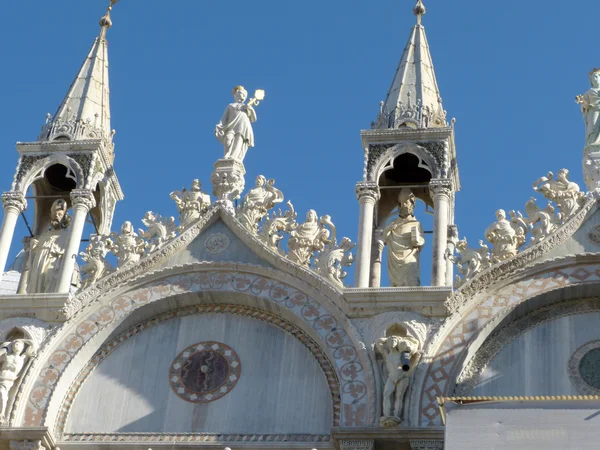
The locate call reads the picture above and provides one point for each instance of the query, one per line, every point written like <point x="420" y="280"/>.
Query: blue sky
<point x="508" y="71"/>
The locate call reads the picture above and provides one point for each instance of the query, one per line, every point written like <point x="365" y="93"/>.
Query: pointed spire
<point x="414" y="98"/>
<point x="85" y="111"/>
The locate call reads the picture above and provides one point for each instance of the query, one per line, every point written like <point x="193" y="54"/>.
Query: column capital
<point x="84" y="197"/>
<point x="357" y="444"/>
<point x="14" y="199"/>
<point x="440" y="186"/>
<point x="367" y="190"/>
<point x="426" y="444"/>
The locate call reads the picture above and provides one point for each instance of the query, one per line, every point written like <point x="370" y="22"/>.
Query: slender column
<point x="83" y="201"/>
<point x="376" y="256"/>
<point x="451" y="247"/>
<point x="14" y="204"/>
<point x="368" y="194"/>
<point x="440" y="191"/>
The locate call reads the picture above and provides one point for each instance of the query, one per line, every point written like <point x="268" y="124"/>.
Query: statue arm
<point x="251" y="113"/>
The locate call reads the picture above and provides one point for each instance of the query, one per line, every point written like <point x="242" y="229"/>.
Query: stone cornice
<point x="394" y="136"/>
<point x="488" y="279"/>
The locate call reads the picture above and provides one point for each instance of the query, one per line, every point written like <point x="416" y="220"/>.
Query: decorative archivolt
<point x="33" y="168"/>
<point x="312" y="244"/>
<point x="508" y="236"/>
<point x="433" y="157"/>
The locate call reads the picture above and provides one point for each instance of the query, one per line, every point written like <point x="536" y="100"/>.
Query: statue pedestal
<point x="591" y="167"/>
<point x="228" y="179"/>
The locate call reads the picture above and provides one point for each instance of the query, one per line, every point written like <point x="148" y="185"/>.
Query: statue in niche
<point x="505" y="236"/>
<point x="13" y="356"/>
<point x="190" y="203"/>
<point x="46" y="250"/>
<point x="128" y="247"/>
<point x="257" y="202"/>
<point x="400" y="354"/>
<point x="590" y="108"/>
<point x="309" y="237"/>
<point x="234" y="130"/>
<point x="404" y="238"/>
<point x="566" y="194"/>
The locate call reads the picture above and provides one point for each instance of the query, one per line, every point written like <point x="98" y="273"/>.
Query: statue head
<point x="18" y="346"/>
<point x="196" y="185"/>
<point x="240" y="94"/>
<point x="58" y="214"/>
<point x="311" y="216"/>
<point x="127" y="228"/>
<point x="501" y="214"/>
<point x="595" y="77"/>
<point x="406" y="203"/>
<point x="260" y="181"/>
<point x="563" y="174"/>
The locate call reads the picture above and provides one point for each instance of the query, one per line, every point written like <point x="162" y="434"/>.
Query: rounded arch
<point x="473" y="323"/>
<point x="38" y="169"/>
<point x="386" y="160"/>
<point x="81" y="337"/>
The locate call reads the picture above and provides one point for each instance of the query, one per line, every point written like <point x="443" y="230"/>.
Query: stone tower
<point x="409" y="155"/>
<point x="70" y="166"/>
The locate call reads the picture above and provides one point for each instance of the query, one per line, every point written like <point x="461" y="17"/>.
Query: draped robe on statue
<point x="404" y="239"/>
<point x="237" y="134"/>
<point x="46" y="251"/>
<point x="591" y="114"/>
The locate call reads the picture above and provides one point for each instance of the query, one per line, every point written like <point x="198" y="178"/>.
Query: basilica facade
<point x="233" y="325"/>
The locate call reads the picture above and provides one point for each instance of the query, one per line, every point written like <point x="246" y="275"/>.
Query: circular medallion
<point x="584" y="368"/>
<point x="594" y="235"/>
<point x="205" y="372"/>
<point x="217" y="243"/>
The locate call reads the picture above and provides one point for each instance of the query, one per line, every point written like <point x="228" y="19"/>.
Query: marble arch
<point x="37" y="169"/>
<point x="448" y="349"/>
<point x="386" y="160"/>
<point x="52" y="374"/>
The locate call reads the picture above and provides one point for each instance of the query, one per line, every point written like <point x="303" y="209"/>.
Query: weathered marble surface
<point x="282" y="389"/>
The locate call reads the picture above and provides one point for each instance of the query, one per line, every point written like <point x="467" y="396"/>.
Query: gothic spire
<point x="413" y="99"/>
<point x="85" y="111"/>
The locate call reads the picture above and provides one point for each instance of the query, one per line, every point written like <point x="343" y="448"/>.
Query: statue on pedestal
<point x="234" y="130"/>
<point x="128" y="247"/>
<point x="309" y="237"/>
<point x="45" y="251"/>
<point x="404" y="239"/>
<point x="95" y="266"/>
<point x="13" y="356"/>
<point x="590" y="108"/>
<point x="400" y="357"/>
<point x="257" y="202"/>
<point x="566" y="194"/>
<point x="505" y="236"/>
<point x="191" y="203"/>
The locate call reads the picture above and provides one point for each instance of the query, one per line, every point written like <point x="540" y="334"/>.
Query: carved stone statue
<point x="190" y="203"/>
<point x="276" y="224"/>
<point x="505" y="236"/>
<point x="309" y="237"/>
<point x="257" y="202"/>
<point x="234" y="130"/>
<point x="566" y="194"/>
<point x="46" y="250"/>
<point x="127" y="246"/>
<point x="590" y="108"/>
<point x="159" y="230"/>
<point x="541" y="222"/>
<point x="95" y="266"/>
<point x="330" y="261"/>
<point x="471" y="261"/>
<point x="404" y="239"/>
<point x="400" y="357"/>
<point x="13" y="356"/>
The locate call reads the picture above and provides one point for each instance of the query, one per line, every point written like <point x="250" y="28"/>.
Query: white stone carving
<point x="540" y="222"/>
<point x="217" y="243"/>
<point x="276" y="224"/>
<point x="46" y="251"/>
<point x="191" y="203"/>
<point x="590" y="108"/>
<point x="505" y="236"/>
<point x="330" y="261"/>
<point x="309" y="237"/>
<point x="234" y="130"/>
<point x="400" y="355"/>
<point x="160" y="230"/>
<point x="128" y="247"/>
<point x="95" y="266"/>
<point x="471" y="261"/>
<point x="566" y="194"/>
<point x="404" y="239"/>
<point x="27" y="445"/>
<point x="228" y="180"/>
<point x="13" y="357"/>
<point x="257" y="202"/>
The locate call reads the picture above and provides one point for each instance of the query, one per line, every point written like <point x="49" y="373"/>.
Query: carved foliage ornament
<point x="14" y="200"/>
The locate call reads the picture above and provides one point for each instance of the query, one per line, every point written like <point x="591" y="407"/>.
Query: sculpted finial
<point x="106" y="22"/>
<point x="419" y="11"/>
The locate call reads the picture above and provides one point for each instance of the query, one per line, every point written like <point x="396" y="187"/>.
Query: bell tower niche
<point x="69" y="177"/>
<point x="410" y="157"/>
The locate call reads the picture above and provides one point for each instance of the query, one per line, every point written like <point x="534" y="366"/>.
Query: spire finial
<point x="419" y="10"/>
<point x="106" y="22"/>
